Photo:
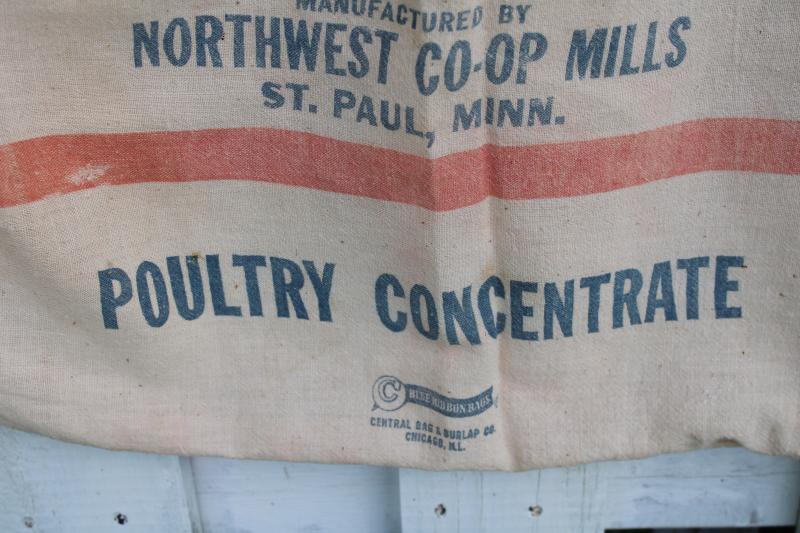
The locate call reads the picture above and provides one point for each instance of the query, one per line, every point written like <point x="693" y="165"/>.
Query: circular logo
<point x="388" y="393"/>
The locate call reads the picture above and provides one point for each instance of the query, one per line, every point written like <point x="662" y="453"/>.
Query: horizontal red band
<point x="34" y="169"/>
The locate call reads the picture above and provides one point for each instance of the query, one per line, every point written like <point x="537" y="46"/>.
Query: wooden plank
<point x="51" y="486"/>
<point x="258" y="496"/>
<point x="539" y="500"/>
<point x="711" y="488"/>
<point x="47" y="485"/>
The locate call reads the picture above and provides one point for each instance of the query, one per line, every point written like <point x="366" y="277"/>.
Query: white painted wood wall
<point x="50" y="486"/>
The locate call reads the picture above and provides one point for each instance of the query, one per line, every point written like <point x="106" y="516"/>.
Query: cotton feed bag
<point x="443" y="235"/>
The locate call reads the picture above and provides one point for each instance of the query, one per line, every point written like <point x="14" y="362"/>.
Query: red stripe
<point x="33" y="169"/>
